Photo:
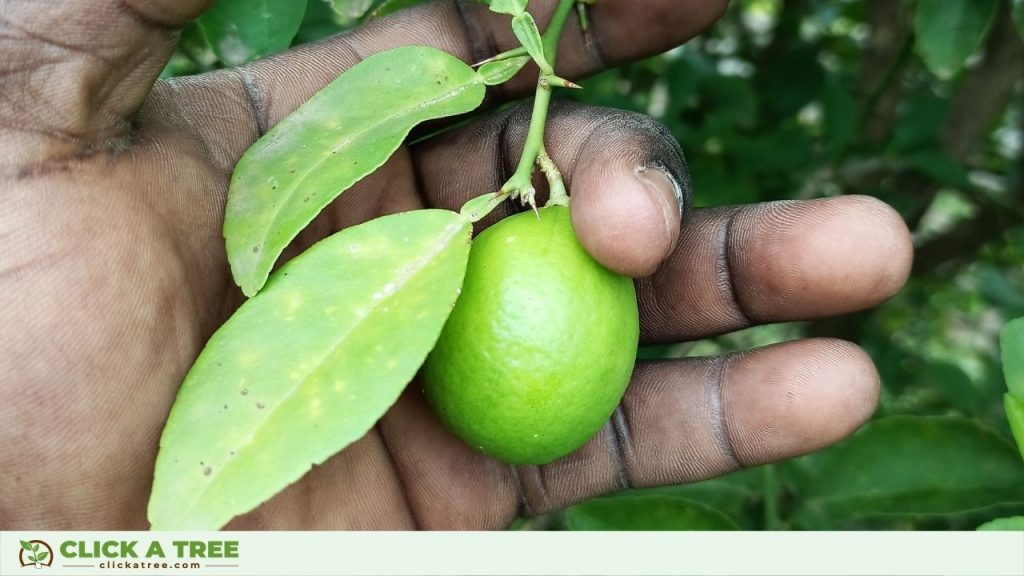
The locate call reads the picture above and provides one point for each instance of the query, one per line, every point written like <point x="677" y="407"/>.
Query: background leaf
<point x="1018" y="16"/>
<point x="388" y="6"/>
<point x="352" y="9"/>
<point x="313" y="155"/>
<point x="949" y="31"/>
<point x="1016" y="524"/>
<point x="1015" y="414"/>
<point x="308" y="366"/>
<point x="243" y="30"/>
<point x="915" y="465"/>
<point x="1012" y="344"/>
<point x="649" y="512"/>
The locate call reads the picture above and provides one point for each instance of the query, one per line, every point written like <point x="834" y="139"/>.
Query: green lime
<point x="540" y="346"/>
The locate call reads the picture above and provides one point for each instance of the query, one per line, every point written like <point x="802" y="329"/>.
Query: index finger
<point x="618" y="32"/>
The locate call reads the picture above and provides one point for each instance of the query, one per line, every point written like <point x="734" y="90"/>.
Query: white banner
<point x="518" y="553"/>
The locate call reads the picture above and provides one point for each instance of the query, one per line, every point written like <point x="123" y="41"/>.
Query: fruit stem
<point x="557" y="195"/>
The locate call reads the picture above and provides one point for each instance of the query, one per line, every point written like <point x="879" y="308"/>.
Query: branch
<point x="986" y="90"/>
<point x="980" y="101"/>
<point x="887" y="57"/>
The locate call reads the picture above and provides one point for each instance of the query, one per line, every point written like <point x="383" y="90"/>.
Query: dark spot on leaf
<point x="207" y="471"/>
<point x="225" y="406"/>
<point x="232" y="453"/>
<point x="260" y="406"/>
<point x="306" y="199"/>
<point x="256" y="249"/>
<point x="245" y="391"/>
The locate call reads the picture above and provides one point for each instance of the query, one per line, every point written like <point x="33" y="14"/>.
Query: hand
<point x="113" y="272"/>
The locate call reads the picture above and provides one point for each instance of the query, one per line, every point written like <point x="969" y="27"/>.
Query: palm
<point x="113" y="275"/>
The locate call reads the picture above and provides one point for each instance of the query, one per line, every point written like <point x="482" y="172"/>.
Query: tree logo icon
<point x="35" y="553"/>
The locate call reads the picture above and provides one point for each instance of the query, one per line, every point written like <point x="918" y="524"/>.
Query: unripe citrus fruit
<point x="540" y="346"/>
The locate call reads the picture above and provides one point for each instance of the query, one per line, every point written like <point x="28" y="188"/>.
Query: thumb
<point x="630" y="189"/>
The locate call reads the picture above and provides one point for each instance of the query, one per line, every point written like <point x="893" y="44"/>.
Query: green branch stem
<point x="520" y="185"/>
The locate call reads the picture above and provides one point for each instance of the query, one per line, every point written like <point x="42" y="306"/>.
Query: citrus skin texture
<point x="540" y="346"/>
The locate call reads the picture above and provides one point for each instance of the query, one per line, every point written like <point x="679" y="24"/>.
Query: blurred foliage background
<point x="916" y="102"/>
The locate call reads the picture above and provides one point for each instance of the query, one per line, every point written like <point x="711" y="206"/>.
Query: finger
<point x="680" y="421"/>
<point x="620" y="31"/>
<point x="73" y="73"/>
<point x="781" y="261"/>
<point x="690" y="420"/>
<point x="625" y="172"/>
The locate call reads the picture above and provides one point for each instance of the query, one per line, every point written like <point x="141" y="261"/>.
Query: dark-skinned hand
<point x="113" y="272"/>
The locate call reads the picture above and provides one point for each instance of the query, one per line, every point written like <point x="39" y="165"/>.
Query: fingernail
<point x="666" y="193"/>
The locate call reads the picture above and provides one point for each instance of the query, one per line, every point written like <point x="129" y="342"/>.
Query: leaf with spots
<point x="307" y="366"/>
<point x="244" y="30"/>
<point x="345" y="132"/>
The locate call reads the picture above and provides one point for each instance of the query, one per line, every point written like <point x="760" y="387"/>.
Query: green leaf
<point x="938" y="166"/>
<point x="728" y="494"/>
<point x="1012" y="342"/>
<point x="957" y="386"/>
<point x="841" y="115"/>
<point x="511" y="7"/>
<point x="494" y="73"/>
<point x="346" y="131"/>
<point x="786" y="83"/>
<point x="243" y="30"/>
<point x="918" y="125"/>
<point x="914" y="465"/>
<point x="651" y="512"/>
<point x="41" y="557"/>
<point x="1015" y="524"/>
<point x="526" y="31"/>
<point x="1015" y="415"/>
<point x="307" y="366"/>
<point x="35" y="547"/>
<point x="390" y="6"/>
<point x="352" y="9"/>
<point x="26" y="546"/>
<point x="949" y="31"/>
<point x="1018" y="16"/>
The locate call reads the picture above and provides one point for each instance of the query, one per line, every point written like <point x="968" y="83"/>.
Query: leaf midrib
<point x="406" y="275"/>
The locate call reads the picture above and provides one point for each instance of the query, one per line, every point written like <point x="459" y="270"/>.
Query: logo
<point x="35" y="553"/>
